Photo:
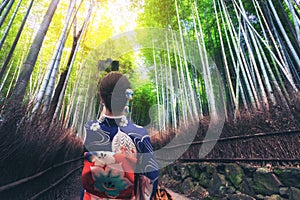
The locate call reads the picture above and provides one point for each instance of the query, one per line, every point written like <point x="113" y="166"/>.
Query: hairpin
<point x="128" y="94"/>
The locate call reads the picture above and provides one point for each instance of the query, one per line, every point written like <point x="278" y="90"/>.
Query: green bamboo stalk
<point x="189" y="87"/>
<point x="252" y="92"/>
<point x="228" y="77"/>
<point x="205" y="67"/>
<point x="172" y="90"/>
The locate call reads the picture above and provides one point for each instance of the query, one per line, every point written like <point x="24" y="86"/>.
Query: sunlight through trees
<point x="250" y="48"/>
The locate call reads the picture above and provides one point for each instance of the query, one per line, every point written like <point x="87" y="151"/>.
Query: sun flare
<point x="122" y="15"/>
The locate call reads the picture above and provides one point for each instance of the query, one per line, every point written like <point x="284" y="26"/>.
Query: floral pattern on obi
<point x="109" y="180"/>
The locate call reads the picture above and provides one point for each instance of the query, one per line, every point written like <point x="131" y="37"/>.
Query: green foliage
<point x="143" y="99"/>
<point x="104" y="24"/>
<point x="158" y="14"/>
<point x="127" y="65"/>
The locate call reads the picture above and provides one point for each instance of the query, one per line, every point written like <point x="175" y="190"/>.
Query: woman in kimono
<point x="119" y="159"/>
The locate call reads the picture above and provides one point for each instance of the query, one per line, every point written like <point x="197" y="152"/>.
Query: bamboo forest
<point x="215" y="85"/>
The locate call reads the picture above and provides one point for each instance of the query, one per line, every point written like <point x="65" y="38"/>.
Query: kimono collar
<point x="114" y="120"/>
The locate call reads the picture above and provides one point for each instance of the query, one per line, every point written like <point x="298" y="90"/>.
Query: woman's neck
<point x="111" y="115"/>
<point x="107" y="113"/>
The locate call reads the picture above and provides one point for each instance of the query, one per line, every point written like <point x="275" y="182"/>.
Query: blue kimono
<point x="122" y="137"/>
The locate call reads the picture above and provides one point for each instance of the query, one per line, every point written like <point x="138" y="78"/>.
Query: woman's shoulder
<point x="135" y="130"/>
<point x="92" y="125"/>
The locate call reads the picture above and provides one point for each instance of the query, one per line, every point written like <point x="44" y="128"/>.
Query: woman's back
<point x="120" y="163"/>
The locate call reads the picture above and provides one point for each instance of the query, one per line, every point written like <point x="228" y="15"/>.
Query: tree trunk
<point x="3" y="17"/>
<point x="156" y="81"/>
<point x="172" y="90"/>
<point x="57" y="100"/>
<point x="12" y="49"/>
<point x="2" y="6"/>
<point x="287" y="21"/>
<point x="253" y="60"/>
<point x="289" y="44"/>
<point x="192" y="108"/>
<point x="50" y="86"/>
<point x="228" y="76"/>
<point x="28" y="65"/>
<point x="4" y="79"/>
<point x="73" y="96"/>
<point x="9" y="24"/>
<point x="58" y="89"/>
<point x="296" y="20"/>
<point x="279" y="58"/>
<point x="49" y="79"/>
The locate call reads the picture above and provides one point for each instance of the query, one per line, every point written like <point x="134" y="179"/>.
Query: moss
<point x="194" y="170"/>
<point x="235" y="174"/>
<point x="204" y="179"/>
<point x="277" y="171"/>
<point x="289" y="177"/>
<point x="265" y="183"/>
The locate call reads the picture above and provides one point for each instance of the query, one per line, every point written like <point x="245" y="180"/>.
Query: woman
<point x="119" y="163"/>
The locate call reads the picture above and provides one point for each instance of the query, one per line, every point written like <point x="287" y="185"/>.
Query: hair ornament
<point x="129" y="93"/>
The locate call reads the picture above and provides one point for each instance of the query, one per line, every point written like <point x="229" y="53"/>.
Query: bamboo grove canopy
<point x="212" y="57"/>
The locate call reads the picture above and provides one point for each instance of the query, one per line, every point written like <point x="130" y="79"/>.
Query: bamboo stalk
<point x="280" y="62"/>
<point x="156" y="81"/>
<point x="5" y="14"/>
<point x="180" y="94"/>
<point x="5" y="77"/>
<point x="228" y="77"/>
<point x="12" y="49"/>
<point x="242" y="60"/>
<point x="172" y="95"/>
<point x="9" y="24"/>
<point x="205" y="67"/>
<point x="192" y="96"/>
<point x="291" y="47"/>
<point x="83" y="29"/>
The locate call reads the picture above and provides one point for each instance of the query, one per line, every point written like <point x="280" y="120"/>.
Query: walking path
<point x="175" y="196"/>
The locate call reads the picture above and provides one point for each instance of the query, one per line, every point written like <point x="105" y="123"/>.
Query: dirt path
<point x="177" y="196"/>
